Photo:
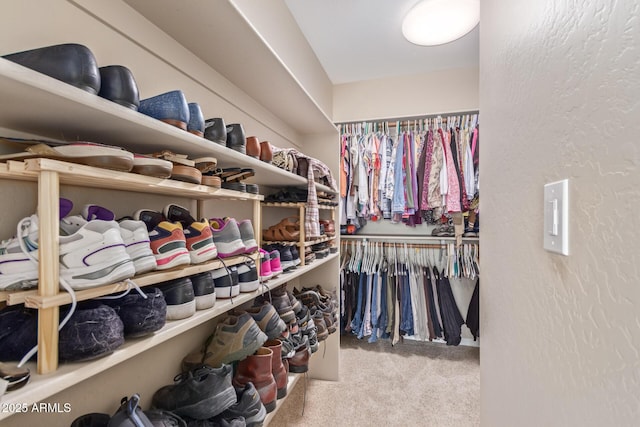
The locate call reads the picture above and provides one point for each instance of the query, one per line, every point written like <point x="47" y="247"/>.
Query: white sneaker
<point x="136" y="239"/>
<point x="17" y="269"/>
<point x="94" y="255"/>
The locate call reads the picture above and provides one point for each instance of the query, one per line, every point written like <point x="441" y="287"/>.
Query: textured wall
<point x="559" y="94"/>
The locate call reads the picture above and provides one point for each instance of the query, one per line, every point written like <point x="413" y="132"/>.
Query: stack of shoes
<point x="321" y="250"/>
<point x="268" y="319"/>
<point x="322" y="305"/>
<point x="328" y="227"/>
<point x="288" y="195"/>
<point x="287" y="261"/>
<point x="248" y="406"/>
<point x="204" y="290"/>
<point x="199" y="393"/>
<point x="183" y="168"/>
<point x="326" y="199"/>
<point x="235" y="338"/>
<point x="309" y="256"/>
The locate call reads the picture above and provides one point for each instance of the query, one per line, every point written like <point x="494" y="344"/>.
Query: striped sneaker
<point x="198" y="233"/>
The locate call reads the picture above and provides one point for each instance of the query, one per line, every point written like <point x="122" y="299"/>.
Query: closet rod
<point x="409" y="245"/>
<point x="401" y="237"/>
<point x="403" y="119"/>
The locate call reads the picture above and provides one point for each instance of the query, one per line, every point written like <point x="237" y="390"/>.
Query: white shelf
<point x="294" y="205"/>
<point x="216" y="31"/>
<point x="404" y="238"/>
<point x="38" y="104"/>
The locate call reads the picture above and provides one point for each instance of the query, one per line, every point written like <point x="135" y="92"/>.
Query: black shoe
<point x="71" y="63"/>
<point x="91" y="420"/>
<point x="18" y="331"/>
<point x="140" y="316"/>
<point x="118" y="85"/>
<point x="94" y="330"/>
<point x="204" y="290"/>
<point x="201" y="393"/>
<point x="177" y="213"/>
<point x="180" y="298"/>
<point x="236" y="139"/>
<point x="216" y="131"/>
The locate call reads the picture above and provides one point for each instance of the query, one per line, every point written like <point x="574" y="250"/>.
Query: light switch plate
<point x="556" y="217"/>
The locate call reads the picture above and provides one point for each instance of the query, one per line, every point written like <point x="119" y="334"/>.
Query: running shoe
<point x="167" y="240"/>
<point x="227" y="237"/>
<point x="247" y="236"/>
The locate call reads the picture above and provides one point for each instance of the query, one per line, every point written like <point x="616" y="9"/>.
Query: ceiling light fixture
<point x="435" y="22"/>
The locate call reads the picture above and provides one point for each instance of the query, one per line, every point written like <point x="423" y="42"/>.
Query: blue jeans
<point x="374" y="309"/>
<point x="406" y="311"/>
<point x="356" y="322"/>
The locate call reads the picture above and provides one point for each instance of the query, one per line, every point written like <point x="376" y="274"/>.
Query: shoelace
<point x="130" y="286"/>
<point x="20" y="232"/>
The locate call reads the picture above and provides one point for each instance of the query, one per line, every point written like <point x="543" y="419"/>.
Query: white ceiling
<point x="362" y="40"/>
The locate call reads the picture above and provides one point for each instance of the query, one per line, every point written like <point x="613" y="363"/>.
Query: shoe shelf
<point x="88" y="176"/>
<point x="402" y="238"/>
<point x="38" y="104"/>
<point x="293" y="205"/>
<point x="68" y="374"/>
<point x="31" y="299"/>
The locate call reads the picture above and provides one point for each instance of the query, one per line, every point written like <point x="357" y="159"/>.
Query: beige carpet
<point x="411" y="384"/>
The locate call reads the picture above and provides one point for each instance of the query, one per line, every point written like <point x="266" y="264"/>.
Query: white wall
<point x="559" y="91"/>
<point x="431" y="93"/>
<point x="274" y="22"/>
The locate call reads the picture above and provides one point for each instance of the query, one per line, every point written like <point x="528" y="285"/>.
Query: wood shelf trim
<point x="294" y="205"/>
<point x="41" y="387"/>
<point x="152" y="278"/>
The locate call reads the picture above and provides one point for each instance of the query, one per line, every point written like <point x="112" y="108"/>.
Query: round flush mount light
<point x="435" y="22"/>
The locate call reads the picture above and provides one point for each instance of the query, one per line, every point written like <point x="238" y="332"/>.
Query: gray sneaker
<point x="235" y="338"/>
<point x="201" y="393"/>
<point x="247" y="235"/>
<point x="268" y="320"/>
<point x="227" y="237"/>
<point x="249" y="406"/>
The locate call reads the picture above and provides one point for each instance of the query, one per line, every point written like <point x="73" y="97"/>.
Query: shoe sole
<point x="175" y="258"/>
<point x="298" y="369"/>
<point x="282" y="392"/>
<point x="203" y="255"/>
<point x="226" y="250"/>
<point x="249" y="286"/>
<point x="144" y="264"/>
<point x="181" y="311"/>
<point x="204" y="302"/>
<point x="271" y="406"/>
<point x="19" y="281"/>
<point x="228" y="291"/>
<point x="209" y="407"/>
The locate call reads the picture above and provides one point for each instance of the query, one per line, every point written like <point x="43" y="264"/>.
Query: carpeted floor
<point x="411" y="384"/>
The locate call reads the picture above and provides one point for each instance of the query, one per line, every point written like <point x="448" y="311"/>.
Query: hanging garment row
<point x="394" y="289"/>
<point x="410" y="172"/>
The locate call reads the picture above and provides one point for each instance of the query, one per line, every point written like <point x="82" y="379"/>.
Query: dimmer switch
<point x="556" y="217"/>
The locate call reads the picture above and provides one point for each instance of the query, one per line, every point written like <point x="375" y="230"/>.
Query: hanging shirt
<point x="453" y="193"/>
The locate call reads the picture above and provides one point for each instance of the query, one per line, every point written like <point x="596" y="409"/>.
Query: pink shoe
<point x="276" y="268"/>
<point x="265" y="265"/>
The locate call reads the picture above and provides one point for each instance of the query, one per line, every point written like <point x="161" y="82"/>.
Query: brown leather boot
<point x="253" y="147"/>
<point x="277" y="367"/>
<point x="266" y="153"/>
<point x="257" y="369"/>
